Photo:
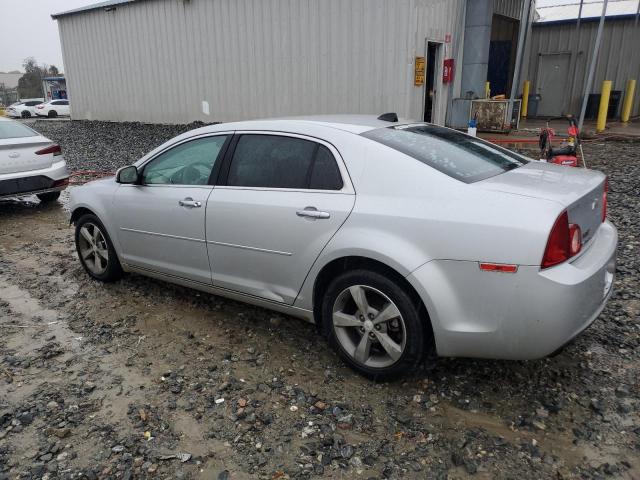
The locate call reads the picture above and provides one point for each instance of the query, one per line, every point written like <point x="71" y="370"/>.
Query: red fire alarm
<point x="447" y="70"/>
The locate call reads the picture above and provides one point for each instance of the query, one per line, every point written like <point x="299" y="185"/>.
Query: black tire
<point x="25" y="114"/>
<point x="417" y="331"/>
<point x="113" y="270"/>
<point x="52" y="114"/>
<point x="48" y="197"/>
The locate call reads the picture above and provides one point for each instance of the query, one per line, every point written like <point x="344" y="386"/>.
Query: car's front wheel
<point x="48" y="197"/>
<point x="52" y="114"/>
<point x="25" y="114"/>
<point x="374" y="324"/>
<point x="95" y="249"/>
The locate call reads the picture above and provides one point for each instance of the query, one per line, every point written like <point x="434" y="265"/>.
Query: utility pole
<point x="592" y="66"/>
<point x="576" y="55"/>
<point x="524" y="26"/>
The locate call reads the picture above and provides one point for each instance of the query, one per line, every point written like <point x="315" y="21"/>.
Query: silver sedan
<point x="399" y="240"/>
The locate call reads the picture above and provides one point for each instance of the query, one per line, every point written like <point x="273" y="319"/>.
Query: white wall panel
<point x="158" y="60"/>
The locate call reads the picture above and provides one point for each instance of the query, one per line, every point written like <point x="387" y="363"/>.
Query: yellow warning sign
<point x="419" y="72"/>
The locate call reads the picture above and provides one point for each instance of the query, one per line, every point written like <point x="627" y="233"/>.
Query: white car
<point x="24" y="108"/>
<point x="53" y="108"/>
<point x="398" y="239"/>
<point x="30" y="163"/>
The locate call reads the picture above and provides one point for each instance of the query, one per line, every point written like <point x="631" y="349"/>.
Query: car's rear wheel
<point x="374" y="324"/>
<point x="52" y="114"/>
<point x="48" y="197"/>
<point x="25" y="114"/>
<point x="95" y="249"/>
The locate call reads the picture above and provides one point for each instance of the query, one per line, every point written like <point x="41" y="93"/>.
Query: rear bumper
<point x="526" y="315"/>
<point x="50" y="179"/>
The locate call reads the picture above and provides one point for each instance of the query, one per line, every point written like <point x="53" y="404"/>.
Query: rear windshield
<point x="456" y="154"/>
<point x="15" y="130"/>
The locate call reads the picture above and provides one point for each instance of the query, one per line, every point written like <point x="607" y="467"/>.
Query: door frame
<point x="437" y="81"/>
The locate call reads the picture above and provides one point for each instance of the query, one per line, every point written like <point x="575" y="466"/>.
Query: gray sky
<point x="28" y="31"/>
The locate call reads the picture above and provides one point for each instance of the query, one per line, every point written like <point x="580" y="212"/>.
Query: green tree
<point x="53" y="70"/>
<point x="30" y="84"/>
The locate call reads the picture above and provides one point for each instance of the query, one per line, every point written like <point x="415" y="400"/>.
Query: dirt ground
<point x="144" y="379"/>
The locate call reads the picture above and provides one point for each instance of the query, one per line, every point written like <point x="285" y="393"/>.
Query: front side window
<point x="272" y="161"/>
<point x="465" y="158"/>
<point x="189" y="163"/>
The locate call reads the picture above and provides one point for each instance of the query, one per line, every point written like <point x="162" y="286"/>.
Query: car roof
<point x="350" y="123"/>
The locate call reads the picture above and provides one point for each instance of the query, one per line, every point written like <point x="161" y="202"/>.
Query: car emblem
<point x="14" y="155"/>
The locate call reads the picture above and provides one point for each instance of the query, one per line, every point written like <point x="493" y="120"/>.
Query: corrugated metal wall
<point x="509" y="8"/>
<point x="618" y="59"/>
<point x="158" y="60"/>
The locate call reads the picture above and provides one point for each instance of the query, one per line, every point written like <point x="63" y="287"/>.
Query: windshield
<point x="465" y="158"/>
<point x="15" y="130"/>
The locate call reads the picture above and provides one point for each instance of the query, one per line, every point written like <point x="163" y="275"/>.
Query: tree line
<point x="30" y="84"/>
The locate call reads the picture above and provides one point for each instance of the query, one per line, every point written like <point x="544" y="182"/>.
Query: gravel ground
<point x="142" y="379"/>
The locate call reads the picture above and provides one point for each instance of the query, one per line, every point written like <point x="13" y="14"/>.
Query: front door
<point x="552" y="81"/>
<point x="281" y="200"/>
<point x="161" y="221"/>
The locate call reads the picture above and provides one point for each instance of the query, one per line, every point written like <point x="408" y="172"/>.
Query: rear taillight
<point x="604" y="199"/>
<point x="40" y="107"/>
<point x="565" y="241"/>
<point x="557" y="250"/>
<point x="55" y="149"/>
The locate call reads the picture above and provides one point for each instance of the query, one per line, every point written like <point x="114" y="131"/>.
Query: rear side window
<point x="325" y="174"/>
<point x="465" y="158"/>
<point x="32" y="103"/>
<point x="10" y="129"/>
<point x="272" y="161"/>
<point x="64" y="102"/>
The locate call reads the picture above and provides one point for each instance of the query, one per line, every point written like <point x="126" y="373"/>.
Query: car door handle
<point x="190" y="202"/>
<point x="312" y="212"/>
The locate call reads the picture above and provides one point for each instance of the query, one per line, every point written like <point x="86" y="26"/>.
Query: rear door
<point x="281" y="199"/>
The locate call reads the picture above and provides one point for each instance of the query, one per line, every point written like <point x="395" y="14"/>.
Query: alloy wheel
<point x="369" y="326"/>
<point x="93" y="248"/>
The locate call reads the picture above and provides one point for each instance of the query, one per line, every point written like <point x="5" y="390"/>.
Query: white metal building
<point x="177" y="61"/>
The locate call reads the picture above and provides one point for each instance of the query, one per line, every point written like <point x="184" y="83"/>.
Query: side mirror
<point x="127" y="175"/>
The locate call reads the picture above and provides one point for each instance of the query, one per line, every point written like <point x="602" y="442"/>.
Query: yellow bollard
<point x="604" y="106"/>
<point x="628" y="100"/>
<point x="525" y="99"/>
<point x="487" y="90"/>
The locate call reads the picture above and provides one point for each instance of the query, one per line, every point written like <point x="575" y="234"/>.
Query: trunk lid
<point x="19" y="154"/>
<point x="578" y="190"/>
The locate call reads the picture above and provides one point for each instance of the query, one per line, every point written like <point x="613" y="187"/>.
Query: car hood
<point x="547" y="181"/>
